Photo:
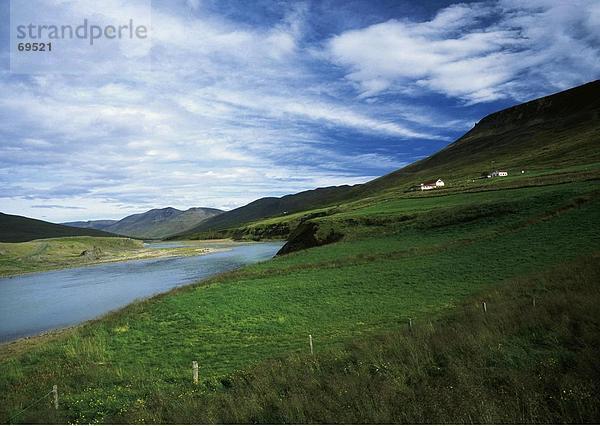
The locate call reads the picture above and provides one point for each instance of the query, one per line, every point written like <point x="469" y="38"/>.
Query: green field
<point x="414" y="258"/>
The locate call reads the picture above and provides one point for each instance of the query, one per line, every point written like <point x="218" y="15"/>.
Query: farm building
<point x="433" y="184"/>
<point x="495" y="173"/>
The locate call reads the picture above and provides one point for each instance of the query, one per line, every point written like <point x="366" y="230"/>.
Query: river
<point x="34" y="303"/>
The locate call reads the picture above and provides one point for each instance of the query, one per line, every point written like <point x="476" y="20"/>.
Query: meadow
<point x="416" y="258"/>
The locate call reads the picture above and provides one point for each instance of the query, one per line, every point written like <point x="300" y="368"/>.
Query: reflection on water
<point x="34" y="303"/>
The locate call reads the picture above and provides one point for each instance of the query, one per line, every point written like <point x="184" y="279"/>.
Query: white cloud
<point x="477" y="52"/>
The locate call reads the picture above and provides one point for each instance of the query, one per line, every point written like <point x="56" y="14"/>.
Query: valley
<point x="389" y="284"/>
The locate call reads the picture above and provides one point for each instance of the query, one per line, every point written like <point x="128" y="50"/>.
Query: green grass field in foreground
<point x="531" y="358"/>
<point x="132" y="365"/>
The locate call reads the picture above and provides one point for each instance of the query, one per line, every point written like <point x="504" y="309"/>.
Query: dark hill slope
<point x="555" y="131"/>
<point x="16" y="229"/>
<point x="272" y="206"/>
<point x="94" y="224"/>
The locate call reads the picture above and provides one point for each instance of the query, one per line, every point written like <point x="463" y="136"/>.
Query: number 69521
<point x="34" y="47"/>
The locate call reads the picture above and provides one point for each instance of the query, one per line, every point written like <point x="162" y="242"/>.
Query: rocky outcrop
<point x="91" y="254"/>
<point x="307" y="235"/>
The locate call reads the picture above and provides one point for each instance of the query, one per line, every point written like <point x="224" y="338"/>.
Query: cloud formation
<point x="478" y="52"/>
<point x="246" y="100"/>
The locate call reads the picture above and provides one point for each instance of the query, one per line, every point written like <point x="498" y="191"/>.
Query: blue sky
<point x="265" y="98"/>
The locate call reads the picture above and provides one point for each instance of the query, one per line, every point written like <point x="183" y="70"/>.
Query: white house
<point x="432" y="184"/>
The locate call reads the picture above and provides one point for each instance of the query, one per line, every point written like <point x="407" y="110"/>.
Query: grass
<point x="517" y="363"/>
<point x="134" y="365"/>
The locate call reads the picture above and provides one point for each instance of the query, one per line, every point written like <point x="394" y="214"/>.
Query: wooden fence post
<point x="310" y="343"/>
<point x="55" y="393"/>
<point x="195" y="370"/>
<point x="484" y="305"/>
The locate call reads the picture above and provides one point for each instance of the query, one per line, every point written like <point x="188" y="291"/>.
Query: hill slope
<point x="16" y="229"/>
<point x="92" y="224"/>
<point x="556" y="131"/>
<point x="159" y="223"/>
<point x="272" y="206"/>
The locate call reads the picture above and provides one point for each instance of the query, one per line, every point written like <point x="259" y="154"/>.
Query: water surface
<point x="34" y="303"/>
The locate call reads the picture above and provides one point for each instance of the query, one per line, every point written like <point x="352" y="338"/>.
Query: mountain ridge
<point x="154" y="223"/>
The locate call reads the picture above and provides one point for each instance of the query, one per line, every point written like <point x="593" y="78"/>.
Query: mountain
<point x="553" y="131"/>
<point x="159" y="223"/>
<point x="92" y="224"/>
<point x="16" y="229"/>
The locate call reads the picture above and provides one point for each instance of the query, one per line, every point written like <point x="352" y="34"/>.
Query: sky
<point x="244" y="100"/>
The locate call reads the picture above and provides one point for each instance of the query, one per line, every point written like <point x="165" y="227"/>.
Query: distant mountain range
<point x="16" y="229"/>
<point x="155" y="223"/>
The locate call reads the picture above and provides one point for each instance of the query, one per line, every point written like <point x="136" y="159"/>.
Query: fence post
<point x="55" y="393"/>
<point x="410" y="325"/>
<point x="533" y="301"/>
<point x="310" y="343"/>
<point x="195" y="370"/>
<point x="484" y="306"/>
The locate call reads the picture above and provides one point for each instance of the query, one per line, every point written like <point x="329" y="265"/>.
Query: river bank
<point x="18" y="259"/>
<point x="36" y="303"/>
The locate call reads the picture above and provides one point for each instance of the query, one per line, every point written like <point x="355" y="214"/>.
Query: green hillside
<point x="14" y="229"/>
<point x="554" y="132"/>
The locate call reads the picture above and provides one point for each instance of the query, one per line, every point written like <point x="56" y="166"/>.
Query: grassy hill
<point x="159" y="223"/>
<point x="359" y="272"/>
<point x="554" y="132"/>
<point x="19" y="228"/>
